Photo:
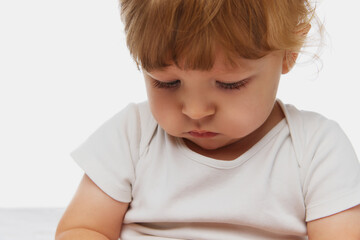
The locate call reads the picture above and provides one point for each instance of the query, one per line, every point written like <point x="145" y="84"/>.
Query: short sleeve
<point x="332" y="179"/>
<point x="108" y="156"/>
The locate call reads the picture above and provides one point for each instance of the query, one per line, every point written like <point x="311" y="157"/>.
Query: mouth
<point x="202" y="134"/>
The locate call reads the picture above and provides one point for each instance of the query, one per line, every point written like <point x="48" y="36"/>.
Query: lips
<point x="202" y="134"/>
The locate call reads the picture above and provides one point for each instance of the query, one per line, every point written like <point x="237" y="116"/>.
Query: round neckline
<point x="227" y="164"/>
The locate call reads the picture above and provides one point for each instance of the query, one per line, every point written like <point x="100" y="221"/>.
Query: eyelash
<point x="166" y="85"/>
<point x="232" y="86"/>
<point x="225" y="86"/>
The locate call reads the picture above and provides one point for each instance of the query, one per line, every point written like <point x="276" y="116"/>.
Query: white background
<point x="65" y="69"/>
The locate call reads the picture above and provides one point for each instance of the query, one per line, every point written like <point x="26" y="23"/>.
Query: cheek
<point x="241" y="121"/>
<point x="245" y="116"/>
<point x="164" y="109"/>
<point x="156" y="101"/>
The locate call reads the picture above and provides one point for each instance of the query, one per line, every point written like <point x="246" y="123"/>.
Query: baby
<point x="213" y="154"/>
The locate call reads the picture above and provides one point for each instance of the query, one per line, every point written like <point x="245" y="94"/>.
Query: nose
<point x="197" y="109"/>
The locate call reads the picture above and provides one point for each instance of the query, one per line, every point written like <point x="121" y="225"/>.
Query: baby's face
<point x="215" y="108"/>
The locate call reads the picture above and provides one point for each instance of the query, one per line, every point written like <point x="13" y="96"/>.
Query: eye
<point x="232" y="86"/>
<point x="166" y="85"/>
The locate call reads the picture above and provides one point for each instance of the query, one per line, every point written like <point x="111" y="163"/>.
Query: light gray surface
<point x="29" y="223"/>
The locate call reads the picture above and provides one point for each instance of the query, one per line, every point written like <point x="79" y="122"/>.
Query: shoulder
<point x="329" y="167"/>
<point x="147" y="125"/>
<point x="134" y="118"/>
<point x="136" y="123"/>
<point x="312" y="127"/>
<point x="129" y="130"/>
<point x="305" y="120"/>
<point x="110" y="154"/>
<point x="311" y="131"/>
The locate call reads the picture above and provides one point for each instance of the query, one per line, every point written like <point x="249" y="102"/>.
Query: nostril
<point x="197" y="113"/>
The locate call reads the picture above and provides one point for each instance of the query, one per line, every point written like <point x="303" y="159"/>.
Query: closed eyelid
<point x="235" y="82"/>
<point x="166" y="85"/>
<point x="233" y="85"/>
<point x="225" y="82"/>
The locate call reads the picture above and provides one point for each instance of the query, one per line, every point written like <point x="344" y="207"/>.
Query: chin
<point x="208" y="146"/>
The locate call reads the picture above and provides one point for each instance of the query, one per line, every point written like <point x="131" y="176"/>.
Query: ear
<point x="289" y="61"/>
<point x="290" y="57"/>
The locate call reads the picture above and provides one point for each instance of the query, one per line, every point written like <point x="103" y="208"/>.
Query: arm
<point x="91" y="215"/>
<point x="343" y="225"/>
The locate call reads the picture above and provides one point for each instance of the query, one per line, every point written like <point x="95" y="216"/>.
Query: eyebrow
<point x="225" y="70"/>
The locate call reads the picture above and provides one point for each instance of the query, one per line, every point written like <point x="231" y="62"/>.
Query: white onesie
<point x="303" y="169"/>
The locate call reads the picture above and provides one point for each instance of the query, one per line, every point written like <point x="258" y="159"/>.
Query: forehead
<point x="221" y="66"/>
